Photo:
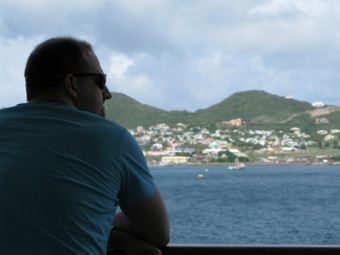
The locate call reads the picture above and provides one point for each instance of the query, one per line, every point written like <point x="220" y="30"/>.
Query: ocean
<point x="262" y="204"/>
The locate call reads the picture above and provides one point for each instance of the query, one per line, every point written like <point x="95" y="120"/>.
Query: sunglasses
<point x="101" y="76"/>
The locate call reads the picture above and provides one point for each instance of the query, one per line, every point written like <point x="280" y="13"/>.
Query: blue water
<point x="258" y="205"/>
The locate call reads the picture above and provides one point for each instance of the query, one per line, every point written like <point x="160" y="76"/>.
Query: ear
<point x="71" y="86"/>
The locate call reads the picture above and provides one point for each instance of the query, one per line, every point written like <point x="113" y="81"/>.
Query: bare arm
<point x="147" y="220"/>
<point x="131" y="245"/>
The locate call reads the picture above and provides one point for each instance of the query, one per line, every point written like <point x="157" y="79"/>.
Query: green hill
<point x="333" y="121"/>
<point x="256" y="108"/>
<point x="131" y="113"/>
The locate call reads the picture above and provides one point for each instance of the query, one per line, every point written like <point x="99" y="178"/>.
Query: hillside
<point x="129" y="112"/>
<point x="255" y="108"/>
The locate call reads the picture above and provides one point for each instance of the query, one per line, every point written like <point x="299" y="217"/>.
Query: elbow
<point x="164" y="236"/>
<point x="160" y="235"/>
<point x="162" y="240"/>
<point x="165" y="239"/>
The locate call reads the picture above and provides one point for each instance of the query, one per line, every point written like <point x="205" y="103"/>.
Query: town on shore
<point x="180" y="144"/>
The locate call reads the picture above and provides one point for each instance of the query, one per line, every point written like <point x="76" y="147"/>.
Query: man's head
<point x="66" y="70"/>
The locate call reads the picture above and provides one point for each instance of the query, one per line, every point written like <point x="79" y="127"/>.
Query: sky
<point x="185" y="54"/>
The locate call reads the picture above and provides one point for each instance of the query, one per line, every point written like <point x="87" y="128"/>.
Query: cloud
<point x="311" y="8"/>
<point x="127" y="76"/>
<point x="48" y="7"/>
<point x="14" y="53"/>
<point x="186" y="54"/>
<point x="119" y="63"/>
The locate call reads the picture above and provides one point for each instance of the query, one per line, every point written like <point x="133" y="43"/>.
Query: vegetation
<point x="257" y="109"/>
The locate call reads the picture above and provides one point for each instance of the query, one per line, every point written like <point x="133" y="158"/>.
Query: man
<point x="64" y="169"/>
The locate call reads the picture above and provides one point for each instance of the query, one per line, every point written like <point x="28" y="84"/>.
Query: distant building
<point x="329" y="138"/>
<point x="168" y="160"/>
<point x="156" y="153"/>
<point x="140" y="130"/>
<point x="157" y="146"/>
<point x="318" y="104"/>
<point x="321" y="121"/>
<point x="237" y="153"/>
<point x="322" y="132"/>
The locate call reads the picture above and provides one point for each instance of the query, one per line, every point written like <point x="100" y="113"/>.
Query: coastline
<point x="248" y="164"/>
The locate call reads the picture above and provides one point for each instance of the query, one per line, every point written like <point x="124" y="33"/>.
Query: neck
<point x="52" y="99"/>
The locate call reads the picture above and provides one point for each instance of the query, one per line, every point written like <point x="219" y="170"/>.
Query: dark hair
<point x="52" y="59"/>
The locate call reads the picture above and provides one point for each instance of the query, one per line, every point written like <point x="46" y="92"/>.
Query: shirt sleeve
<point x="137" y="183"/>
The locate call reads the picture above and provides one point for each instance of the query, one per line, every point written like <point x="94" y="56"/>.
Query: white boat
<point x="237" y="165"/>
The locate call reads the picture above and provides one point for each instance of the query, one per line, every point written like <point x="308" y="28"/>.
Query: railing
<point x="246" y="250"/>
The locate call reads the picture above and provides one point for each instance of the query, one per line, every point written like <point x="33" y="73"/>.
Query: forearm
<point x="147" y="220"/>
<point x="118" y="239"/>
<point x="131" y="245"/>
<point x="121" y="222"/>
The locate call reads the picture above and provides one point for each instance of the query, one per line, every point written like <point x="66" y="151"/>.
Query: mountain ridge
<point x="254" y="107"/>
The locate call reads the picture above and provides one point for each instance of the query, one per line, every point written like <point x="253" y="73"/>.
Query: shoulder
<point x="65" y="116"/>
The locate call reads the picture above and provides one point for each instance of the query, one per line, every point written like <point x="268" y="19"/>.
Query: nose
<point x="106" y="93"/>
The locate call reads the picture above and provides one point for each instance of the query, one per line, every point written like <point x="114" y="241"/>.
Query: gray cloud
<point x="185" y="54"/>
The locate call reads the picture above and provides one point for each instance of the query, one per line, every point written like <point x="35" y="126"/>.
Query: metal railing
<point x="206" y="249"/>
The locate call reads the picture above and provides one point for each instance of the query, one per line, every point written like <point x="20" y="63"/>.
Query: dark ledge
<point x="206" y="249"/>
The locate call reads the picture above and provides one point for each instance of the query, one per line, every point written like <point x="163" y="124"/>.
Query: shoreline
<point x="248" y="164"/>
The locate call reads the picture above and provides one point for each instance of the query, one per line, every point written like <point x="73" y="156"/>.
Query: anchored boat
<point x="237" y="165"/>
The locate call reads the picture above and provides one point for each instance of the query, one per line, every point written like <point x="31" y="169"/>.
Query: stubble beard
<point x="102" y="112"/>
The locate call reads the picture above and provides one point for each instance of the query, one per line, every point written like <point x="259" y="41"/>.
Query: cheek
<point x="100" y="97"/>
<point x="99" y="101"/>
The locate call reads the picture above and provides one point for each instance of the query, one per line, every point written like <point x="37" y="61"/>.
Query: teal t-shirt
<point x="63" y="173"/>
